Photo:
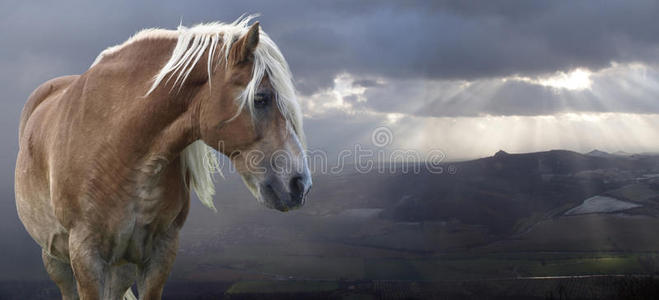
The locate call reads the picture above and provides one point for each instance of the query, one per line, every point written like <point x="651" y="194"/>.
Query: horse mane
<point x="198" y="160"/>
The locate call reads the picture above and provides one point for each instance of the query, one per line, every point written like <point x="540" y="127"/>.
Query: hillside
<point x="394" y="225"/>
<point x="505" y="217"/>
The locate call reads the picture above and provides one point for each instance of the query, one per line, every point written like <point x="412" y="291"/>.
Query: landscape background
<point x="509" y="225"/>
<point x="482" y="91"/>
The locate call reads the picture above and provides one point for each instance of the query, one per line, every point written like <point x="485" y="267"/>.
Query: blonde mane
<point x="198" y="159"/>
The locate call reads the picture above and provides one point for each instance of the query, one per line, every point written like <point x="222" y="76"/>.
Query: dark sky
<point x="467" y="77"/>
<point x="425" y="60"/>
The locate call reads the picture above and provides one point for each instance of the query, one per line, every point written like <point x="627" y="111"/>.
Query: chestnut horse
<point x="107" y="159"/>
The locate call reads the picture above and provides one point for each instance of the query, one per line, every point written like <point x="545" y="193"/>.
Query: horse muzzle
<point x="285" y="195"/>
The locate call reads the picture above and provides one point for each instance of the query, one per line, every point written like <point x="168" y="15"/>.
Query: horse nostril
<point x="297" y="188"/>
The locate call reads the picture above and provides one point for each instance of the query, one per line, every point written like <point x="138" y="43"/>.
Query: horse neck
<point x="162" y="123"/>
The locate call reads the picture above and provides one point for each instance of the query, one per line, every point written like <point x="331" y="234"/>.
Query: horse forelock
<point x="198" y="160"/>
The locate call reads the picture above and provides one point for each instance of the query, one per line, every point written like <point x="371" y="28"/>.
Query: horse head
<point x="251" y="115"/>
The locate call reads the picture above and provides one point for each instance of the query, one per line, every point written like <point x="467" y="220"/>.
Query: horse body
<point x="109" y="187"/>
<point x="101" y="181"/>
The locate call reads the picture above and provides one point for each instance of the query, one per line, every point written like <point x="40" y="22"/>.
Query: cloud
<point x="461" y="138"/>
<point x="456" y="40"/>
<point x="471" y="137"/>
<point x="394" y="61"/>
<point x="626" y="88"/>
<point x="469" y="40"/>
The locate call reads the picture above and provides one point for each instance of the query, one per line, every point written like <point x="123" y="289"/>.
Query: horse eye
<point x="262" y="100"/>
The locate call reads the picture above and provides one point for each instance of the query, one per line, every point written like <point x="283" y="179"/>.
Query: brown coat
<point x="98" y="176"/>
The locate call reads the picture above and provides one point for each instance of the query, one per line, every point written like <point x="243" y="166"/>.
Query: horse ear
<point x="247" y="44"/>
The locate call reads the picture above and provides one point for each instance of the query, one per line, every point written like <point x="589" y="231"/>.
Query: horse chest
<point x="133" y="237"/>
<point x="148" y="204"/>
<point x="152" y="193"/>
<point x="157" y="203"/>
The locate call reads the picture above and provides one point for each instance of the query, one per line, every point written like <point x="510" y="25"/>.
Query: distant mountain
<point x="468" y="204"/>
<point x="499" y="193"/>
<point x="598" y="153"/>
<point x="622" y="153"/>
<point x="501" y="153"/>
<point x="361" y="224"/>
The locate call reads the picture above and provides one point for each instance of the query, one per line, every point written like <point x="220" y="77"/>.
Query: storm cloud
<point x="411" y="39"/>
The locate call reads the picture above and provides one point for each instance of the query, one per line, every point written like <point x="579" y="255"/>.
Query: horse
<point x="107" y="159"/>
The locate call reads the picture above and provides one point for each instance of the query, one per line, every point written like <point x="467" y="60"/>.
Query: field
<point x="604" y="287"/>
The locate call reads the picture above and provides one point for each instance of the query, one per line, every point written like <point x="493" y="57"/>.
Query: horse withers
<point x="107" y="159"/>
